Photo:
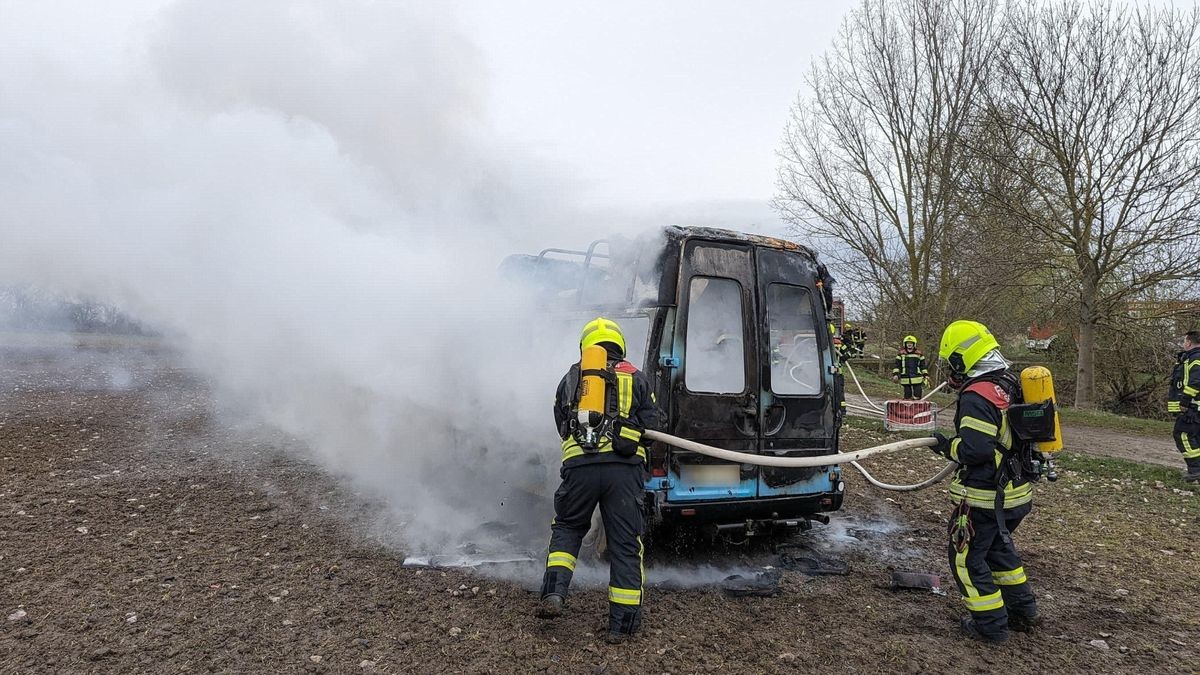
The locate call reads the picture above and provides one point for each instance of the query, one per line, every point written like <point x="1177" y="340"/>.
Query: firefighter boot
<point x="551" y="607"/>
<point x="623" y="623"/>
<point x="1024" y="623"/>
<point x="972" y="630"/>
<point x="1192" y="475"/>
<point x="617" y="638"/>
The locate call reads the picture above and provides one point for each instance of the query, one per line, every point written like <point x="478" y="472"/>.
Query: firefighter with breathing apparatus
<point x="1005" y="427"/>
<point x="910" y="369"/>
<point x="854" y="340"/>
<point x="602" y="406"/>
<point x="1183" y="400"/>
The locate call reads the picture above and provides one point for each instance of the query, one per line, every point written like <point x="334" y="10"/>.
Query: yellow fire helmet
<point x="602" y="330"/>
<point x="910" y="338"/>
<point x="964" y="343"/>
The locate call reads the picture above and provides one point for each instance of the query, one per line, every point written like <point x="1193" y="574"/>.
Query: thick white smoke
<point x="303" y="194"/>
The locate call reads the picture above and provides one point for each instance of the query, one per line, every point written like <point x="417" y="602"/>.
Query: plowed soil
<point x="137" y="534"/>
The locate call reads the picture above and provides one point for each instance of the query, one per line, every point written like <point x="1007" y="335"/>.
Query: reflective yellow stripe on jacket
<point x="980" y="497"/>
<point x="986" y="499"/>
<point x="901" y="369"/>
<point x="1181" y="387"/>
<point x="571" y="447"/>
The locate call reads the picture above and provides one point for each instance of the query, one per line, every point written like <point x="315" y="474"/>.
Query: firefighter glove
<point x="942" y="447"/>
<point x="1190" y="416"/>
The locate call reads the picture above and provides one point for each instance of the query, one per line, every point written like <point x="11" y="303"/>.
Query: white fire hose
<point x="810" y="462"/>
<point x="860" y="387"/>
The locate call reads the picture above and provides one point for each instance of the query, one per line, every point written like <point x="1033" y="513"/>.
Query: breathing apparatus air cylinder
<point x="592" y="363"/>
<point x="1037" y="419"/>
<point x="1037" y="386"/>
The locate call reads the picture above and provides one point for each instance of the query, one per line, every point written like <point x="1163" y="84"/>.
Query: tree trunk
<point x="1089" y="290"/>
<point x="1085" y="375"/>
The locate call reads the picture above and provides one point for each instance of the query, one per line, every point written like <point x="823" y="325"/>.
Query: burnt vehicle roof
<point x="679" y="233"/>
<point x="636" y="272"/>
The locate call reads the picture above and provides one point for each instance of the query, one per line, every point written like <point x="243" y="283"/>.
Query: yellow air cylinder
<point x="1037" y="385"/>
<point x="591" y="389"/>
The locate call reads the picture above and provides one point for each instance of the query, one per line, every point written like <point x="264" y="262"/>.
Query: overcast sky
<point x="655" y="112"/>
<point x="667" y="109"/>
<point x="672" y="108"/>
<point x="652" y="101"/>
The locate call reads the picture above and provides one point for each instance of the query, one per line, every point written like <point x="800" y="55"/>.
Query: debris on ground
<point x="810" y="564"/>
<point x="761" y="585"/>
<point x="919" y="581"/>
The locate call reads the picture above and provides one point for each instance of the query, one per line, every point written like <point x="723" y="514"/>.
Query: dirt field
<point x="137" y="535"/>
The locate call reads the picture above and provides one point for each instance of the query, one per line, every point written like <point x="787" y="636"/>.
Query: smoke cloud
<point x="305" y="197"/>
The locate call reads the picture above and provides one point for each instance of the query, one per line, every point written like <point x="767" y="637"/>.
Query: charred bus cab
<point x="732" y="329"/>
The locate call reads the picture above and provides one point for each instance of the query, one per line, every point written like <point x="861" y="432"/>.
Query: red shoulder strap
<point x="994" y="393"/>
<point x="625" y="367"/>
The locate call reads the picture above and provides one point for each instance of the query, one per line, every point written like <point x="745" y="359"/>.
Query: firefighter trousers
<point x="1187" y="441"/>
<point x="988" y="570"/>
<point x="618" y="489"/>
<point x="914" y="391"/>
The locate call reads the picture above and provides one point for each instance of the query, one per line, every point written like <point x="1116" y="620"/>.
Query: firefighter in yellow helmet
<point x="854" y="340"/>
<point x="910" y="369"/>
<point x="991" y="489"/>
<point x="611" y="474"/>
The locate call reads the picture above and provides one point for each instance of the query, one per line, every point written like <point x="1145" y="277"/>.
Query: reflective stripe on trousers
<point x="1187" y="439"/>
<point x="990" y="575"/>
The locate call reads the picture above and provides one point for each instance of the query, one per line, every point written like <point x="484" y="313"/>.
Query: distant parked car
<point x="1042" y="345"/>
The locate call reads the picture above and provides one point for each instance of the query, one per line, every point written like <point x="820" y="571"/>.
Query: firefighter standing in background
<point x="991" y="489"/>
<point x="1183" y="400"/>
<point x="910" y="369"/>
<point x="854" y="340"/>
<point x="841" y="345"/>
<point x="611" y="474"/>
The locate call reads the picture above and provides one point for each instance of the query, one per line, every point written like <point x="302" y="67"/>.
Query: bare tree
<point x="1100" y="116"/>
<point x="870" y="157"/>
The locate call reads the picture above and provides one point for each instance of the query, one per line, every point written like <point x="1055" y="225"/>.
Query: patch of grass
<point x="863" y="424"/>
<point x="880" y="389"/>
<point x="854" y="426"/>
<point x="1130" y="514"/>
<point x="1107" y="420"/>
<point x="1095" y="466"/>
